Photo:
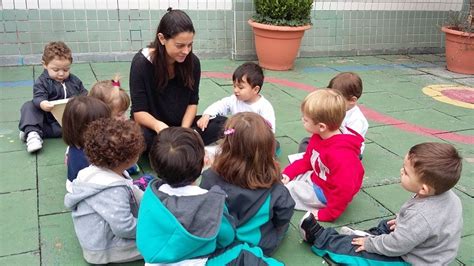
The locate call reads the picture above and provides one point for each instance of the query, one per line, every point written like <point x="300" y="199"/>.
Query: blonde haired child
<point x="104" y="202"/>
<point x="110" y="92"/>
<point x="330" y="173"/>
<point x="246" y="170"/>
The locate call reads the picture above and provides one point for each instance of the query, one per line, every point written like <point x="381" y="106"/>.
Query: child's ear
<point x="353" y="100"/>
<point x="44" y="64"/>
<point x="426" y="190"/>
<point x="322" y="127"/>
<point x="256" y="89"/>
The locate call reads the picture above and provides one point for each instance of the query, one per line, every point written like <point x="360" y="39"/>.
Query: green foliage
<point x="283" y="12"/>
<point x="460" y="21"/>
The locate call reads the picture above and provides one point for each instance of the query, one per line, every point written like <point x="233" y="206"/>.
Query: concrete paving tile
<point x="59" y="245"/>
<point x="386" y="102"/>
<point x="466" y="182"/>
<point x="429" y="57"/>
<point x="9" y="140"/>
<point x="431" y="118"/>
<point x="19" y="230"/>
<point x="10" y="109"/>
<point x="220" y="65"/>
<point x="52" y="152"/>
<point x="445" y="108"/>
<point x="441" y="71"/>
<point x="145" y="166"/>
<point x="288" y="146"/>
<point x="294" y="251"/>
<point x="468" y="119"/>
<point x="405" y="89"/>
<point x="287" y="110"/>
<point x="293" y="130"/>
<point x="297" y="94"/>
<point x="465" y="254"/>
<point x="15" y="73"/>
<point x="209" y="92"/>
<point x="16" y="92"/>
<point x="371" y="210"/>
<point x="466" y="81"/>
<point x="52" y="188"/>
<point x="397" y="197"/>
<point x="30" y="258"/>
<point x="427" y="80"/>
<point x="396" y="140"/>
<point x="381" y="166"/>
<point x="11" y="163"/>
<point x="467" y="212"/>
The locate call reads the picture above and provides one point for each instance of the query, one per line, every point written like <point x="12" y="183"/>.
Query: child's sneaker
<point x="345" y="230"/>
<point x="309" y="227"/>
<point x="33" y="142"/>
<point x="143" y="181"/>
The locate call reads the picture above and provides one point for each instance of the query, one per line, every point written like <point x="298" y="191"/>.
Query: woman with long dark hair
<point x="164" y="80"/>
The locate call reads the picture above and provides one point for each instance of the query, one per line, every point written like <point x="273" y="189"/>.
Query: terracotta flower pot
<point x="459" y="51"/>
<point x="277" y="46"/>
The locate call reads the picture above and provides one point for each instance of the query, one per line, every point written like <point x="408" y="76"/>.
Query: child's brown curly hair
<point x="110" y="142"/>
<point x="57" y="50"/>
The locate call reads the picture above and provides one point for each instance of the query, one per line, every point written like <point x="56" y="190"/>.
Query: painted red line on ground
<point x="369" y="113"/>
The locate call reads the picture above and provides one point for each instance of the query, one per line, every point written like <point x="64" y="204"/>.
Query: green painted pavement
<point x="33" y="185"/>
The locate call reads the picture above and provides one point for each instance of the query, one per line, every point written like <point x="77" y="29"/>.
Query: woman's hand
<point x="203" y="122"/>
<point x="159" y="126"/>
<point x="285" y="179"/>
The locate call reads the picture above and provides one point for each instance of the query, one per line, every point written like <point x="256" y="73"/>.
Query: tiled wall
<point x="115" y="29"/>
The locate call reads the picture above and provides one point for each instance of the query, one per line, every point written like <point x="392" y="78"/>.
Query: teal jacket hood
<point x="175" y="228"/>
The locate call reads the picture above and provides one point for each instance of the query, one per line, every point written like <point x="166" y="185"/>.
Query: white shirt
<point x="356" y="120"/>
<point x="231" y="106"/>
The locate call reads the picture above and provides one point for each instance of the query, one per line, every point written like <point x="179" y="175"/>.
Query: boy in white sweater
<point x="248" y="81"/>
<point x="427" y="231"/>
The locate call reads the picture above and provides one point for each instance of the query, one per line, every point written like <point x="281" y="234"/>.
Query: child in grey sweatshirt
<point x="427" y="231"/>
<point x="104" y="202"/>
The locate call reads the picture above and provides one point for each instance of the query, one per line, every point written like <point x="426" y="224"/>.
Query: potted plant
<point x="278" y="27"/>
<point x="460" y="42"/>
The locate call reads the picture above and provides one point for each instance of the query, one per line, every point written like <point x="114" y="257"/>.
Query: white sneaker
<point x="22" y="136"/>
<point x="345" y="230"/>
<point x="33" y="142"/>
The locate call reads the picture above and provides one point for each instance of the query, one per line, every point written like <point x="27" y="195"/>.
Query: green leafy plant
<point x="462" y="21"/>
<point x="283" y="12"/>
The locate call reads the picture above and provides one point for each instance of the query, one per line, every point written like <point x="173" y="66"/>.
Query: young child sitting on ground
<point x="248" y="82"/>
<point x="180" y="223"/>
<point x="349" y="85"/>
<point x="104" y="202"/>
<point x="330" y="173"/>
<point x="427" y="231"/>
<point x="248" y="173"/>
<point x="78" y="113"/>
<point x="110" y="92"/>
<point x="55" y="83"/>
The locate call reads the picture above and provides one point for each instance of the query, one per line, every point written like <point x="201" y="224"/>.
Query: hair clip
<point x="229" y="131"/>
<point x="116" y="83"/>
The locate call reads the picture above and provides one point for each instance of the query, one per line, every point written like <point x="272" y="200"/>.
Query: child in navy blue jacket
<point x="55" y="83"/>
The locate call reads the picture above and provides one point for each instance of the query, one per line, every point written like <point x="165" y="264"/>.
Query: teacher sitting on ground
<point x="164" y="81"/>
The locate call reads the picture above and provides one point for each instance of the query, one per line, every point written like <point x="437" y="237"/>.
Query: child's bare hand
<point x="285" y="179"/>
<point x="360" y="242"/>
<point x="46" y="106"/>
<point x="392" y="224"/>
<point x="203" y="122"/>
